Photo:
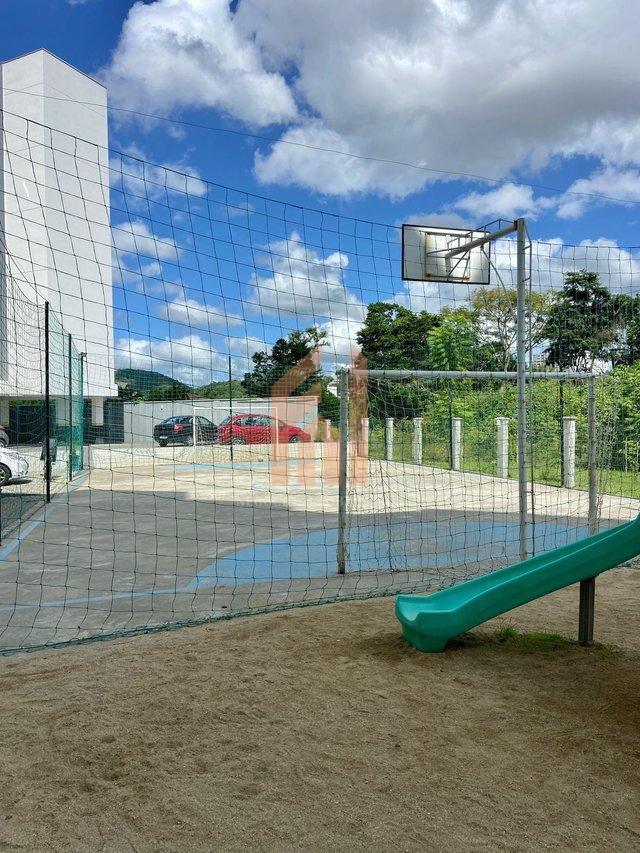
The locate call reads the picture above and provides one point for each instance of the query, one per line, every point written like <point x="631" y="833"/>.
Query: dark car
<point x="259" y="429"/>
<point x="180" y="430"/>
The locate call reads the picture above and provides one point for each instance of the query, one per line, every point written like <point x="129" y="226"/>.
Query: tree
<point x="581" y="325"/>
<point x="394" y="337"/>
<point x="452" y="345"/>
<point x="289" y="365"/>
<point x="495" y="314"/>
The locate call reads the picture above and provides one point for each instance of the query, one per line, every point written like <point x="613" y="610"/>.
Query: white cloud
<point x="136" y="238"/>
<point x="132" y="173"/>
<point x="310" y="288"/>
<point x="191" y="358"/>
<point x="199" y="315"/>
<point x="508" y="201"/>
<point x="620" y="184"/>
<point x="190" y="53"/>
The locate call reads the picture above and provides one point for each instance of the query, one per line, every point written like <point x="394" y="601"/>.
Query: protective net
<point x="171" y="355"/>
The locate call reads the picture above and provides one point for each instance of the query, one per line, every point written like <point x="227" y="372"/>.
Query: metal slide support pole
<point x="69" y="347"/>
<point x="341" y="554"/>
<point x="47" y="409"/>
<point x="521" y="385"/>
<point x="588" y="587"/>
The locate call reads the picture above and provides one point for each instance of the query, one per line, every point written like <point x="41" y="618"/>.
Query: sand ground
<point x="320" y="729"/>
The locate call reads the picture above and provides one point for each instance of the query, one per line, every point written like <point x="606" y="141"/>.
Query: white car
<point x="13" y="465"/>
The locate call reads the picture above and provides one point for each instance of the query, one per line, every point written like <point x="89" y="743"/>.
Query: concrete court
<point x="172" y="541"/>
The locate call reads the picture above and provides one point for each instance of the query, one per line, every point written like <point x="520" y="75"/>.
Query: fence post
<point x="456" y="443"/>
<point x="327" y="430"/>
<point x="502" y="447"/>
<point x="417" y="441"/>
<point x="69" y="347"/>
<point x="389" y="440"/>
<point x="569" y="452"/>
<point x="47" y="408"/>
<point x="364" y="438"/>
<point x="343" y="391"/>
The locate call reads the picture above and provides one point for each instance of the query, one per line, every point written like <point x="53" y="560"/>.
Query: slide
<point x="430" y="621"/>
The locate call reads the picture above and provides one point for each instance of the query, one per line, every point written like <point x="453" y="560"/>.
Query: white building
<point x="55" y="238"/>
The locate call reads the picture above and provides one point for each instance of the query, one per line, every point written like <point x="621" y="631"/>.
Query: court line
<point x="11" y="546"/>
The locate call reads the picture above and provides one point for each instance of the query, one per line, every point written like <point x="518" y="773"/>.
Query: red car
<point x="258" y="429"/>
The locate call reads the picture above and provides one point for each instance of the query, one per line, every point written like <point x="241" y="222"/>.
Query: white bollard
<point x="502" y="447"/>
<point x="327" y="430"/>
<point x="417" y="441"/>
<point x="569" y="452"/>
<point x="364" y="438"/>
<point x="456" y="443"/>
<point x="389" y="440"/>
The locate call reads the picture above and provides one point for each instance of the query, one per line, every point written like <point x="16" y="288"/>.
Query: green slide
<point x="430" y="621"/>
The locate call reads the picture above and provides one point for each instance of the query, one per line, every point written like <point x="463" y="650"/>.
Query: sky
<point x="506" y="109"/>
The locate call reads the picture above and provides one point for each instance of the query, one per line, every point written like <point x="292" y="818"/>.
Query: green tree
<point x="581" y="325"/>
<point x="496" y="317"/>
<point x="453" y="344"/>
<point x="289" y="360"/>
<point x="394" y="337"/>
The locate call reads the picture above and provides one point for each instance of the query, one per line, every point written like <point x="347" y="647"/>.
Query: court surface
<point x="127" y="548"/>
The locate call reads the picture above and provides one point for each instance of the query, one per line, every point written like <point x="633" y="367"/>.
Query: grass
<point x="479" y="458"/>
<point x="540" y="642"/>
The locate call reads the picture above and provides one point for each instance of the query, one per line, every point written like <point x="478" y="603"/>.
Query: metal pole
<point x="588" y="587"/>
<point x="231" y="414"/>
<point x="587" y="611"/>
<point x="522" y="385"/>
<point x="468" y="374"/>
<point x="560" y="427"/>
<point x="480" y="241"/>
<point x="83" y="355"/>
<point x="70" y="410"/>
<point x="343" y="386"/>
<point x="47" y="411"/>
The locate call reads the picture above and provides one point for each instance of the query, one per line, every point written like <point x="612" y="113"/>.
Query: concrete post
<point x="569" y="452"/>
<point x="456" y="443"/>
<point x="363" y="450"/>
<point x="327" y="430"/>
<point x="417" y="441"/>
<point x="502" y="447"/>
<point x="389" y="440"/>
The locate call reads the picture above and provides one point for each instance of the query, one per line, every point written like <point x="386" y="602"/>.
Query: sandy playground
<point x="320" y="729"/>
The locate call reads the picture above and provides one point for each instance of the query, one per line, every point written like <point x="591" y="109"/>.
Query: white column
<point x="327" y="430"/>
<point x="389" y="439"/>
<point x="502" y="446"/>
<point x="97" y="411"/>
<point x="364" y="438"/>
<point x="417" y="441"/>
<point x="569" y="452"/>
<point x="456" y="443"/>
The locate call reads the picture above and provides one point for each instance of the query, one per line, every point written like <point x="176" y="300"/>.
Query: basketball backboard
<point x="427" y="255"/>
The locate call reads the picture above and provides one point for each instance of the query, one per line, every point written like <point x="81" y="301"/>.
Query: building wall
<point x="54" y="219"/>
<point x="140" y="418"/>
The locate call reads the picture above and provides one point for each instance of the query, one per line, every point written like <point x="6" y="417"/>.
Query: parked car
<point x="13" y="465"/>
<point x="258" y="429"/>
<point x="4" y="437"/>
<point x="180" y="430"/>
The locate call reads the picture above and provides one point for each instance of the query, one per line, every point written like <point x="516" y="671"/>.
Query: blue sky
<point x="544" y="95"/>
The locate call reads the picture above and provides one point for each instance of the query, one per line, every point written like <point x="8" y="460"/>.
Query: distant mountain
<point x="220" y="390"/>
<point x="144" y="381"/>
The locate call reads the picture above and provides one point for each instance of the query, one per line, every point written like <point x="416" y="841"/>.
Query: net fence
<point x="197" y="335"/>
